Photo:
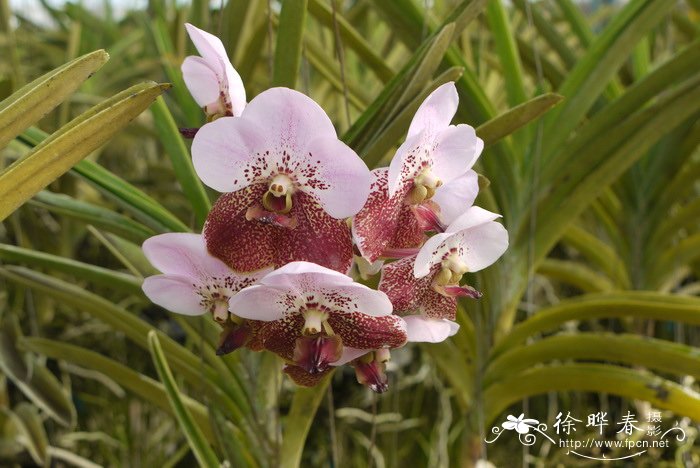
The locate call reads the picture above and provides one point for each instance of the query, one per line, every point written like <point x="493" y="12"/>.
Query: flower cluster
<point x="299" y="208"/>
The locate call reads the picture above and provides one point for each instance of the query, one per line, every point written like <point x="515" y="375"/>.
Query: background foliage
<point x="591" y="123"/>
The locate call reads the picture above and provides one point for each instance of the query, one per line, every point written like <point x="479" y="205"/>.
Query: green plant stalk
<point x="303" y="409"/>
<point x="198" y="443"/>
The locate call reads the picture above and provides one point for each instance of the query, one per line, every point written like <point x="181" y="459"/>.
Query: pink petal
<point x="228" y="154"/>
<point x="236" y="90"/>
<point x="259" y="302"/>
<point x="185" y="255"/>
<point x="350" y="354"/>
<point x="429" y="330"/>
<point x="363" y="331"/>
<point x="436" y="112"/>
<point x="474" y="216"/>
<point x="290" y="119"/>
<point x="384" y="222"/>
<point x="456" y="150"/>
<point x="209" y="46"/>
<point x="174" y="293"/>
<point x="455" y="197"/>
<point x="410" y="295"/>
<point x="341" y="181"/>
<point x="201" y="80"/>
<point x="431" y="254"/>
<point x="305" y="275"/>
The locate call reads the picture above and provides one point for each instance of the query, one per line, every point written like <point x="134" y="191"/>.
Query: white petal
<point x="427" y="330"/>
<point x="290" y="120"/>
<point x="342" y="180"/>
<point x="306" y="275"/>
<point x="259" y="302"/>
<point x="236" y="90"/>
<point x="455" y="152"/>
<point x="457" y="196"/>
<point x="350" y="354"/>
<point x="482" y="245"/>
<point x="436" y="112"/>
<point x="174" y="293"/>
<point x="474" y="216"/>
<point x="185" y="255"/>
<point x="223" y="152"/>
<point x="429" y="255"/>
<point x="201" y="80"/>
<point x="364" y="299"/>
<point x="209" y="47"/>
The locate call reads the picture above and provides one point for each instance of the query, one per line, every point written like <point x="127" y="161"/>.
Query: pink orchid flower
<point x="312" y="313"/>
<point x="291" y="184"/>
<point x="211" y="79"/>
<point x="427" y="185"/>
<point x="424" y="288"/>
<point x="195" y="283"/>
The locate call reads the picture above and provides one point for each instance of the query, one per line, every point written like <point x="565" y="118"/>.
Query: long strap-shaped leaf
<point x="198" y="443"/>
<point x="288" y="47"/>
<point x="39" y="97"/>
<point x="67" y="146"/>
<point x="621" y="381"/>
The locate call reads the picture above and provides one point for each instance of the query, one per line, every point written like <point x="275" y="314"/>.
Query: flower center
<point x="451" y="271"/>
<point x="214" y="298"/>
<point x="278" y="198"/>
<point x="424" y="186"/>
<point x="314" y="321"/>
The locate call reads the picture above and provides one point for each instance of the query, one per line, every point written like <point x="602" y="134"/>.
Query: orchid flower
<point x="291" y="183"/>
<point x="195" y="283"/>
<point x="427" y="185"/>
<point x="424" y="288"/>
<point x="312" y="313"/>
<point x="211" y="79"/>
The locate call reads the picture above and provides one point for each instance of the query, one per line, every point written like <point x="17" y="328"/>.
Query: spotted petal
<point x="414" y="296"/>
<point x="248" y="245"/>
<point x="183" y="254"/>
<point x="385" y="222"/>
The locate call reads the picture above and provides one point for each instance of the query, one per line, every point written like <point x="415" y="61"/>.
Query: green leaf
<point x="92" y="273"/>
<point x="180" y="157"/>
<point x="507" y="51"/>
<point x="141" y="385"/>
<point x="27" y="418"/>
<point x="57" y="154"/>
<point x="38" y="98"/>
<point x="303" y="409"/>
<point x="513" y="119"/>
<point x="289" y="39"/>
<point x="652" y="353"/>
<point x="200" y="447"/>
<point x="33" y="379"/>
<point x="602" y="378"/>
<point x="95" y="215"/>
<point x="638" y="304"/>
